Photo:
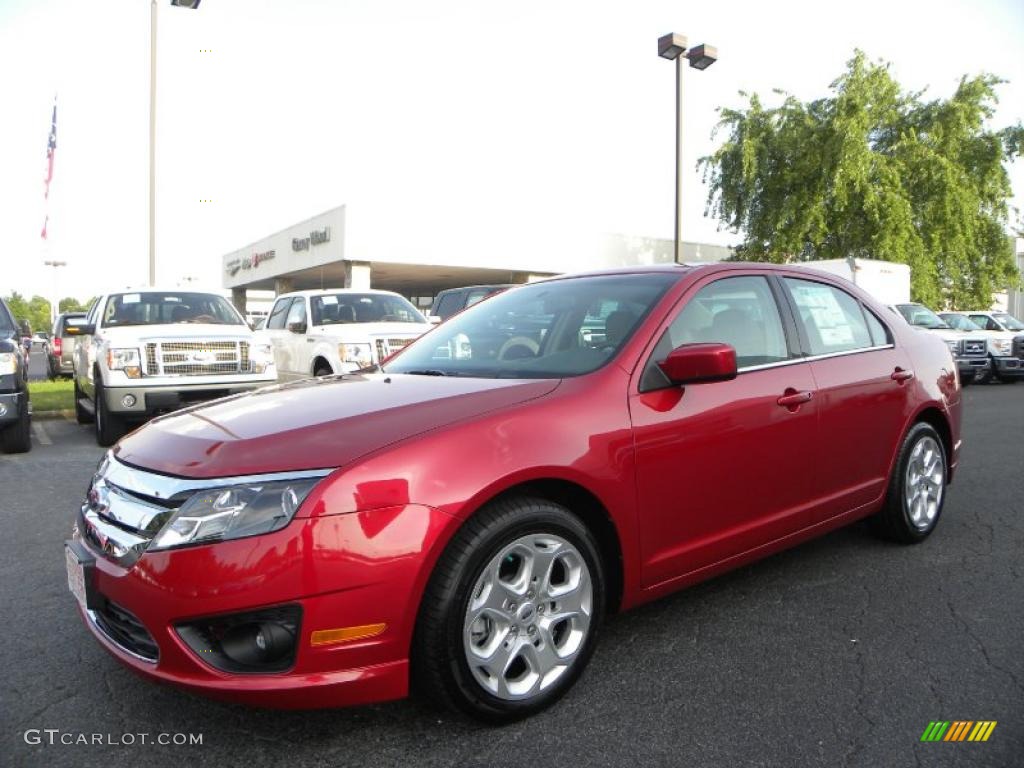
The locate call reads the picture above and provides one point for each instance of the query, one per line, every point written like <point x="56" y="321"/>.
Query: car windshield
<point x="162" y="307"/>
<point x="1009" y="322"/>
<point x="550" y="329"/>
<point x="961" y="323"/>
<point x="338" y="308"/>
<point x="921" y="316"/>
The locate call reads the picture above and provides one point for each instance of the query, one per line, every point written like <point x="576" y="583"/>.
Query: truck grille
<point x="1018" y="347"/>
<point x="197" y="358"/>
<point x="974" y="348"/>
<point x="388" y="347"/>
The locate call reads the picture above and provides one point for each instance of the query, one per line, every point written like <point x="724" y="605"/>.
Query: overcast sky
<point x="435" y="116"/>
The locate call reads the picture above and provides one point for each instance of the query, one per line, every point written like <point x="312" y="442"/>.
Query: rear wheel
<point x="510" y="617"/>
<point x="917" y="488"/>
<point x="17" y="437"/>
<point x="322" y="369"/>
<point x="109" y="427"/>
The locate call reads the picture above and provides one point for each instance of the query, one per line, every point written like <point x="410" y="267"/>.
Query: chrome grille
<point x="197" y="358"/>
<point x="388" y="347"/>
<point x="975" y="348"/>
<point x="1018" y="347"/>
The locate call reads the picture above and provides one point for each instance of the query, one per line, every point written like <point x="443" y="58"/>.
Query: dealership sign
<point x="316" y="237"/>
<point x="248" y="262"/>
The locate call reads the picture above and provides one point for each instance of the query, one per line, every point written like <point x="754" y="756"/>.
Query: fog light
<point x="128" y="401"/>
<point x="3" y="409"/>
<point x="253" y="642"/>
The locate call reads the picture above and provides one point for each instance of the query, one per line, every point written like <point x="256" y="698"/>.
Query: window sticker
<point x="828" y="316"/>
<point x="131" y="298"/>
<point x="328" y="300"/>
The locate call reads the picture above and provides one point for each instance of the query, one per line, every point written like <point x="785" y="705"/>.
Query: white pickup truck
<point x="319" y="333"/>
<point x="140" y="353"/>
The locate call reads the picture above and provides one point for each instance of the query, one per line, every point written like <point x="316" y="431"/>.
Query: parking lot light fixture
<point x="673" y="46"/>
<point x="702" y="56"/>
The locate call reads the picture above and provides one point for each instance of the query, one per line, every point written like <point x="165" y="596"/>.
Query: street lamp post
<point x="673" y="46"/>
<point x="152" y="129"/>
<point x="54" y="305"/>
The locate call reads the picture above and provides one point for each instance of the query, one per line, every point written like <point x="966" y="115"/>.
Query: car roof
<point x="477" y="287"/>
<point x="335" y="291"/>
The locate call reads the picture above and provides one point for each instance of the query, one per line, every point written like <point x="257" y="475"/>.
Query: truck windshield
<point x="921" y="316"/>
<point x="165" y="307"/>
<point x="961" y="323"/>
<point x="1009" y="322"/>
<point x="338" y="308"/>
<point x="550" y="329"/>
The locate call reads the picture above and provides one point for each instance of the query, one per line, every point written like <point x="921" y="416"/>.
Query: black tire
<point x="440" y="670"/>
<point x="894" y="520"/>
<point x="987" y="374"/>
<point x="966" y="379"/>
<point x="109" y="426"/>
<point x="1003" y="378"/>
<point x="82" y="415"/>
<point x="323" y="370"/>
<point x="17" y="437"/>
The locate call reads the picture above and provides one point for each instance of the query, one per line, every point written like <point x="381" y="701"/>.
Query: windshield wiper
<point x="426" y="372"/>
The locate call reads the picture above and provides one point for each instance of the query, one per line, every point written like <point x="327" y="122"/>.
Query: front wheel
<point x="917" y="488"/>
<point x="109" y="426"/>
<point x="17" y="437"/>
<point x="511" y="614"/>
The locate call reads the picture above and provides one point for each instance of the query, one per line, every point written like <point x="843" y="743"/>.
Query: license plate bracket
<point x="81" y="566"/>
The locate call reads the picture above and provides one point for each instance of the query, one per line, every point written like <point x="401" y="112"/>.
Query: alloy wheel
<point x="924" y="482"/>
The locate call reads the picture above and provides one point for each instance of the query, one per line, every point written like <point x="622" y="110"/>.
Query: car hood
<point x="174" y="331"/>
<point x="314" y="423"/>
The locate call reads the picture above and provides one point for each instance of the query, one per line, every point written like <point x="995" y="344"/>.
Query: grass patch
<point x="56" y="395"/>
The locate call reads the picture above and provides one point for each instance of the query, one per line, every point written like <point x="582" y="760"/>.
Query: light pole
<point x="54" y="305"/>
<point x="673" y="46"/>
<point x="152" y="129"/>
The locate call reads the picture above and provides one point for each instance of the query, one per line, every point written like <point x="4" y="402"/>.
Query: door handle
<point x="793" y="399"/>
<point x="900" y="375"/>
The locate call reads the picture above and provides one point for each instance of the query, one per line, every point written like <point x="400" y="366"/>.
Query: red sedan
<point x="463" y="518"/>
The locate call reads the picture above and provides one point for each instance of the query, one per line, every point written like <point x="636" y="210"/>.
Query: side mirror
<point x="299" y="326"/>
<point x="697" y="363"/>
<point x="84" y="330"/>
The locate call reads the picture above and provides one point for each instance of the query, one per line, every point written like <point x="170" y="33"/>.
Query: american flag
<point x="51" y="150"/>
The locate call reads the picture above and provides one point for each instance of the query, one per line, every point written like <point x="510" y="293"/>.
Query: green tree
<point x="34" y="311"/>
<point x="873" y="171"/>
<point x="71" y="304"/>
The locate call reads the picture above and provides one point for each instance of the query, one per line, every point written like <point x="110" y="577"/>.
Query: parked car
<point x="454" y="300"/>
<point x="969" y="350"/>
<point x="61" y="349"/>
<point x="15" y="411"/>
<point x="1005" y="348"/>
<point x="1009" y="366"/>
<point x="466" y="522"/>
<point x="319" y="333"/>
<point x="142" y="353"/>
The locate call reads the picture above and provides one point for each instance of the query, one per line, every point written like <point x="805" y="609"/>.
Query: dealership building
<point x="338" y="249"/>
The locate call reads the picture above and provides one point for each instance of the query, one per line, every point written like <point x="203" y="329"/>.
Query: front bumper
<point x="344" y="570"/>
<point x="150" y="400"/>
<point x="1008" y="366"/>
<point x="971" y="365"/>
<point x="10" y="407"/>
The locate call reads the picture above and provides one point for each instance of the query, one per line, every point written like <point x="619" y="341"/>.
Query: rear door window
<point x="832" y="319"/>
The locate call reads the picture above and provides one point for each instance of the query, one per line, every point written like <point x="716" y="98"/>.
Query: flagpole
<point x="152" y="143"/>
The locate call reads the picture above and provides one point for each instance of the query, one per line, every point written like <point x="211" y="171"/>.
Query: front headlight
<point x="954" y="345"/>
<point x="234" y="512"/>
<point x="125" y="359"/>
<point x="262" y="356"/>
<point x="1000" y="347"/>
<point x="8" y="363"/>
<point x="359" y="354"/>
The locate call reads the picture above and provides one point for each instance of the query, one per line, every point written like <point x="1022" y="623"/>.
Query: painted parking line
<point x="41" y="434"/>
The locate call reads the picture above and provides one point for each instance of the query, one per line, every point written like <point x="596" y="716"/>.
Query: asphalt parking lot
<point x="836" y="653"/>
